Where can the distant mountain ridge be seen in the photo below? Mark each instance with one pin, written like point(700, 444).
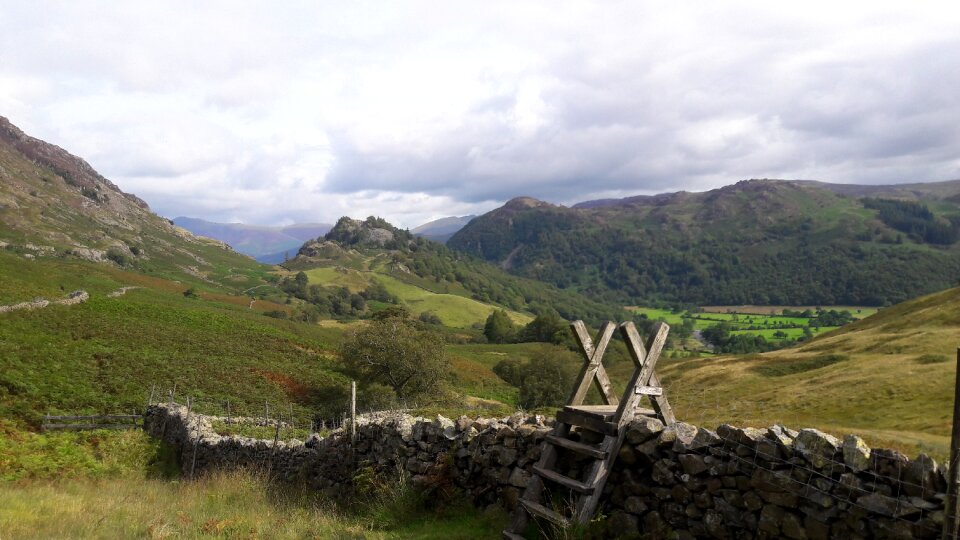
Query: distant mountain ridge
point(264, 243)
point(440, 230)
point(757, 241)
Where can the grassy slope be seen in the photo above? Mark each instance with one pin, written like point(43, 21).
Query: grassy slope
point(105, 354)
point(890, 379)
point(454, 310)
point(117, 485)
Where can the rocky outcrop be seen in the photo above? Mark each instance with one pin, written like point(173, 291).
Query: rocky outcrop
point(76, 297)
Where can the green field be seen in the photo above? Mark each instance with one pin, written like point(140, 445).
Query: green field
point(753, 322)
point(888, 378)
point(455, 311)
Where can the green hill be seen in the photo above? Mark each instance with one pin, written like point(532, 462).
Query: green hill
point(426, 276)
point(889, 377)
point(55, 206)
point(757, 242)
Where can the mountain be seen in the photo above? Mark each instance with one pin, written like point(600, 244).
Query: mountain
point(54, 205)
point(269, 245)
point(358, 253)
point(755, 242)
point(440, 230)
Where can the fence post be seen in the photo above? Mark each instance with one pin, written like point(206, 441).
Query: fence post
point(193, 463)
point(353, 412)
point(276, 437)
point(951, 521)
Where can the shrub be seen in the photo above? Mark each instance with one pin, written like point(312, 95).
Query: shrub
point(545, 380)
point(118, 256)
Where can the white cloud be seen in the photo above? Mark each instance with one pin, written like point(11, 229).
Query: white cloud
point(267, 113)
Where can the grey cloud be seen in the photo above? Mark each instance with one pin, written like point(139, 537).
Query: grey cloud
point(564, 100)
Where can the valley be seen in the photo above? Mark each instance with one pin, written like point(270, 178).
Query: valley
point(221, 328)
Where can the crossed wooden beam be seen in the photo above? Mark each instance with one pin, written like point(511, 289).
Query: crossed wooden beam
point(644, 381)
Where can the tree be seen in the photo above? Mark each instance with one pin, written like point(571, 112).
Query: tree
point(547, 327)
point(393, 352)
point(499, 328)
point(545, 380)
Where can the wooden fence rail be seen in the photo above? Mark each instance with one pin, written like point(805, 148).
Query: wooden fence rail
point(105, 421)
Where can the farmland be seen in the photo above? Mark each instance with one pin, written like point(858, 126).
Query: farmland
point(773, 323)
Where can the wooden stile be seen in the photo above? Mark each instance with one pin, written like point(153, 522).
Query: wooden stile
point(609, 420)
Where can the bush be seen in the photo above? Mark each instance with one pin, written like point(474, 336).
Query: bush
point(544, 381)
point(118, 256)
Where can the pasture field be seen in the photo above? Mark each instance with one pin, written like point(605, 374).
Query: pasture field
point(792, 333)
point(858, 312)
point(455, 311)
point(889, 378)
point(753, 321)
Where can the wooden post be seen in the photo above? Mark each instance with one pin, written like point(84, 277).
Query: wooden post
point(170, 395)
point(189, 406)
point(951, 520)
point(276, 437)
point(228, 411)
point(353, 412)
point(266, 412)
point(153, 387)
point(193, 464)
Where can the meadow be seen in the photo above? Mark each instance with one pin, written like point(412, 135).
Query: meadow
point(768, 322)
point(103, 484)
point(453, 310)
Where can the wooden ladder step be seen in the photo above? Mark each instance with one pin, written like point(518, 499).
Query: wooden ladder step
point(593, 423)
point(565, 481)
point(539, 510)
point(580, 448)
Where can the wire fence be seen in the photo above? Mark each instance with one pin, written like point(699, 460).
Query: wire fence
point(272, 419)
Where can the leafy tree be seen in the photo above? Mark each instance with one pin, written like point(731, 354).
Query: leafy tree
point(547, 327)
point(394, 352)
point(545, 380)
point(499, 328)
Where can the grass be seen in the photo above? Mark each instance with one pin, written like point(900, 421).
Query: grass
point(886, 378)
point(233, 505)
point(110, 484)
point(254, 431)
point(455, 311)
point(782, 369)
point(28, 456)
point(104, 355)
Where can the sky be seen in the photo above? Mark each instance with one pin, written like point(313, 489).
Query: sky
point(272, 113)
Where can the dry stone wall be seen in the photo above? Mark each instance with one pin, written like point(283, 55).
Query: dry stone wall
point(677, 481)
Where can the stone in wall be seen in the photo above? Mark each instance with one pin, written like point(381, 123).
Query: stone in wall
point(669, 481)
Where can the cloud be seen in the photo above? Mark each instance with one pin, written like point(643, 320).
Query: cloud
point(263, 114)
